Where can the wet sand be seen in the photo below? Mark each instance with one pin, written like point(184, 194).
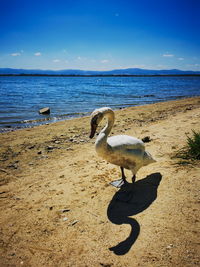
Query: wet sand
point(58, 208)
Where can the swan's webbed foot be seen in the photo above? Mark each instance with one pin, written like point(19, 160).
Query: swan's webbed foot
point(120, 182)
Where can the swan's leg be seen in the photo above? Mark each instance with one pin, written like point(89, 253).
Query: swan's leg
point(123, 175)
point(134, 171)
point(133, 179)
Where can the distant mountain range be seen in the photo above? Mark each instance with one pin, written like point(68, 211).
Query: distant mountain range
point(130, 71)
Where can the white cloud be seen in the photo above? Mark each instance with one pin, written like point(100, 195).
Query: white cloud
point(15, 54)
point(139, 66)
point(104, 61)
point(193, 65)
point(168, 55)
point(37, 54)
point(180, 58)
point(56, 60)
point(81, 58)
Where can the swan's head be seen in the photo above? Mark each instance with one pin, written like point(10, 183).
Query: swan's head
point(96, 117)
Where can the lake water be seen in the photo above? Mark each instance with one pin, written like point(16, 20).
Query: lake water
point(68, 97)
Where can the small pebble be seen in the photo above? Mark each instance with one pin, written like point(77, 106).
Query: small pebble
point(69, 148)
point(14, 166)
point(170, 246)
point(64, 210)
point(146, 139)
point(74, 222)
point(16, 198)
point(13, 254)
point(50, 147)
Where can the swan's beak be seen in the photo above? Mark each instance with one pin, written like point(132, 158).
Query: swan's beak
point(93, 130)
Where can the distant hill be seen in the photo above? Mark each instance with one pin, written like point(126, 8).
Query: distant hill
point(130, 71)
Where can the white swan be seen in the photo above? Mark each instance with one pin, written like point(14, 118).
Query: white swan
point(122, 150)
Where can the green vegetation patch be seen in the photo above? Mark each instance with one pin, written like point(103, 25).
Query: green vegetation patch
point(191, 151)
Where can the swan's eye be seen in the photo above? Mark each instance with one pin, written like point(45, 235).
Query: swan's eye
point(94, 120)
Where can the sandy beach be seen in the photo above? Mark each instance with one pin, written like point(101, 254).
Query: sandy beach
point(59, 209)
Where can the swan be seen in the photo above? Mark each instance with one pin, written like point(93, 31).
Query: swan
point(122, 150)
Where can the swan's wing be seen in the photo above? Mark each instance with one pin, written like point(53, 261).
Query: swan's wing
point(125, 142)
point(125, 151)
point(130, 149)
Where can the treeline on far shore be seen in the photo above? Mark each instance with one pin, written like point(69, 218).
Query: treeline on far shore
point(101, 75)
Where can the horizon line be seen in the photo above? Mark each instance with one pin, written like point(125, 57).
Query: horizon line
point(76, 69)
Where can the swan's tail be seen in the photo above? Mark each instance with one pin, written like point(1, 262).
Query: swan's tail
point(148, 159)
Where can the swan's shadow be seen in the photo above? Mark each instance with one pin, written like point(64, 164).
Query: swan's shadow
point(130, 200)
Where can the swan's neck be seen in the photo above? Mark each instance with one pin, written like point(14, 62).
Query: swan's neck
point(107, 129)
point(101, 142)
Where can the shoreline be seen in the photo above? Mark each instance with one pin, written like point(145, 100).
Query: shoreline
point(28, 124)
point(59, 209)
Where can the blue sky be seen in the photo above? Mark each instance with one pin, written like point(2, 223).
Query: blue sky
point(100, 35)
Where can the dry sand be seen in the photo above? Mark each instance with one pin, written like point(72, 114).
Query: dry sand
point(58, 209)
